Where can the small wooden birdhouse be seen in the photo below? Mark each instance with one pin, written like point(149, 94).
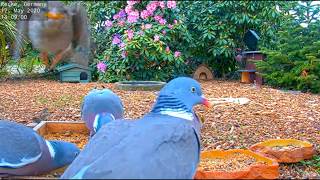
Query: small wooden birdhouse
point(74, 73)
point(203, 73)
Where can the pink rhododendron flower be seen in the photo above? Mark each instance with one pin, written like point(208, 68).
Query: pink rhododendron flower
point(122, 13)
point(164, 32)
point(175, 21)
point(132, 19)
point(101, 66)
point(157, 17)
point(121, 23)
point(116, 16)
point(171, 4)
point(133, 16)
point(156, 38)
point(162, 4)
point(122, 45)
point(177, 54)
point(145, 14)
point(170, 26)
point(134, 13)
point(152, 6)
point(116, 39)
point(131, 2)
point(108, 23)
point(128, 9)
point(167, 49)
point(148, 26)
point(162, 21)
point(130, 33)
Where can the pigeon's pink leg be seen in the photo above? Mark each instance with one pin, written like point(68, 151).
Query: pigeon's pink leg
point(56, 60)
point(44, 58)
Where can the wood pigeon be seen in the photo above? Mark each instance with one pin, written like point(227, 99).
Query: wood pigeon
point(24, 153)
point(165, 143)
point(58, 29)
point(100, 107)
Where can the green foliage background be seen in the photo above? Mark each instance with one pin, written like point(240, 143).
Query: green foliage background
point(213, 30)
point(208, 32)
point(294, 63)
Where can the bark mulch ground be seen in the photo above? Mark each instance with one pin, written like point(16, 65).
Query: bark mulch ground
point(271, 113)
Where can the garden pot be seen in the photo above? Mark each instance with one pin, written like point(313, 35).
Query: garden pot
point(285, 150)
point(140, 85)
point(264, 168)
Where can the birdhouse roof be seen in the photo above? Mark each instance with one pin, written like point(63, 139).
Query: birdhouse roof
point(71, 66)
point(254, 34)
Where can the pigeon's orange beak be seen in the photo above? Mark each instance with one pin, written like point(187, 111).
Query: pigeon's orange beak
point(54, 15)
point(206, 102)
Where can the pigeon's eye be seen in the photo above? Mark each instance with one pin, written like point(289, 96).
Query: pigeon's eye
point(193, 89)
point(76, 154)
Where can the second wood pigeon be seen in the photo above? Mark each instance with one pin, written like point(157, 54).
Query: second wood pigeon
point(24, 153)
point(165, 143)
point(100, 107)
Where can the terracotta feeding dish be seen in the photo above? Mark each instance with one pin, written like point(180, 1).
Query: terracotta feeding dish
point(70, 131)
point(285, 150)
point(236, 164)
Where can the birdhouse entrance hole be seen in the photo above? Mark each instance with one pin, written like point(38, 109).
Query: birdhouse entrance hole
point(83, 76)
point(203, 76)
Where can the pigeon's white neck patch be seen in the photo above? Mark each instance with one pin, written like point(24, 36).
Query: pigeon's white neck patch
point(51, 149)
point(96, 120)
point(179, 113)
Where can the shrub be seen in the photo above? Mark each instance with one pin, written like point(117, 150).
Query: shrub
point(296, 62)
point(218, 28)
point(143, 41)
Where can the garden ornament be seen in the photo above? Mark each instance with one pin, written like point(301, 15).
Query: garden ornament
point(100, 107)
point(61, 30)
point(24, 153)
point(165, 143)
